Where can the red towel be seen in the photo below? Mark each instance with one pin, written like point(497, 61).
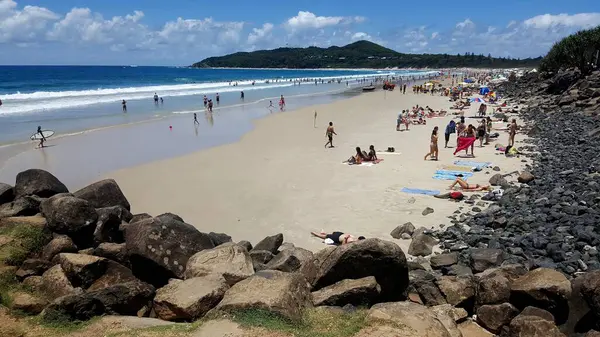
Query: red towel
point(464, 143)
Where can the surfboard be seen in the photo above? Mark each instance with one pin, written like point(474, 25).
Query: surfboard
point(46, 133)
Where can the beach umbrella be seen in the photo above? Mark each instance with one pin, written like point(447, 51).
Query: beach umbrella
point(477, 100)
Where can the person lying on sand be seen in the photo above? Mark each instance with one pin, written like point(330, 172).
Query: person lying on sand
point(463, 185)
point(337, 238)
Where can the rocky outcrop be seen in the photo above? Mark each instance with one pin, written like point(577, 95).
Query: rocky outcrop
point(406, 319)
point(60, 244)
point(283, 294)
point(295, 260)
point(361, 292)
point(7, 193)
point(82, 270)
point(38, 182)
point(371, 257)
point(421, 245)
point(270, 244)
point(55, 283)
point(104, 193)
point(159, 249)
point(71, 216)
point(494, 317)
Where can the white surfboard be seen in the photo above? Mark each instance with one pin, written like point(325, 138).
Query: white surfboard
point(46, 133)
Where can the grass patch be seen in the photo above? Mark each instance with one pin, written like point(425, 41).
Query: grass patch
point(315, 322)
point(8, 283)
point(61, 324)
point(28, 240)
point(175, 329)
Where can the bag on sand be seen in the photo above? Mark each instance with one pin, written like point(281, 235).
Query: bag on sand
point(457, 195)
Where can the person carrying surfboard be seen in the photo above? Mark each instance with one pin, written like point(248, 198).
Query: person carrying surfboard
point(43, 139)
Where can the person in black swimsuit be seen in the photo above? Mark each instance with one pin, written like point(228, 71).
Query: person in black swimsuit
point(338, 238)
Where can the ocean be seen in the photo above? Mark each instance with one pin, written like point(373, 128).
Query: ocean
point(71, 99)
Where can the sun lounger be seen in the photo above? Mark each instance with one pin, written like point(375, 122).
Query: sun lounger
point(419, 191)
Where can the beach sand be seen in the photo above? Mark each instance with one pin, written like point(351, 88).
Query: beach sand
point(279, 178)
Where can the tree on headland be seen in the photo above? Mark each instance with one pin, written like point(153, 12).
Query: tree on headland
point(579, 50)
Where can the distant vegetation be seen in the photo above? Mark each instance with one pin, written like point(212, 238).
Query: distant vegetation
point(579, 50)
point(361, 54)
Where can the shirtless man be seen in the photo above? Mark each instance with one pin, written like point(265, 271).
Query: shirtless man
point(467, 187)
point(512, 132)
point(329, 134)
point(338, 238)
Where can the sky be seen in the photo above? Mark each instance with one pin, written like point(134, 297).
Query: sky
point(181, 32)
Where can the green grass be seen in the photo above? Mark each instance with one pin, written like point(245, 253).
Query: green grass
point(62, 324)
point(28, 240)
point(315, 323)
point(174, 329)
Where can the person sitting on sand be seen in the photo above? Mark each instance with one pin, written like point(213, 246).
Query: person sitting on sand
point(372, 155)
point(463, 185)
point(337, 238)
point(358, 158)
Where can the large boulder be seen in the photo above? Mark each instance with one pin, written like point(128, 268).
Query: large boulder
point(283, 294)
point(190, 299)
point(458, 290)
point(590, 289)
point(406, 319)
point(469, 328)
point(109, 223)
point(370, 257)
point(23, 206)
point(543, 288)
point(32, 267)
point(295, 260)
point(104, 193)
point(60, 244)
point(361, 292)
point(230, 261)
point(27, 303)
point(525, 177)
point(55, 283)
point(421, 245)
point(219, 238)
point(485, 258)
point(270, 243)
point(119, 299)
point(82, 270)
point(494, 317)
point(38, 182)
point(71, 216)
point(159, 249)
point(443, 260)
point(407, 228)
point(260, 258)
point(114, 273)
point(427, 291)
point(492, 289)
point(113, 251)
point(449, 316)
point(533, 326)
point(7, 193)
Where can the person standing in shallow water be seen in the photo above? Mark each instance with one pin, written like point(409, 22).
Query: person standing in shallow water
point(124, 104)
point(329, 134)
point(196, 119)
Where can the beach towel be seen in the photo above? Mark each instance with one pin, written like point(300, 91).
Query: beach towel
point(438, 176)
point(461, 174)
point(385, 153)
point(472, 163)
point(464, 143)
point(419, 191)
point(456, 168)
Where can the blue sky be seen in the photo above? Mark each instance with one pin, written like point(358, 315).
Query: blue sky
point(180, 32)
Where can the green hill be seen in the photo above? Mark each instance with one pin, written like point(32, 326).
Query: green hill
point(361, 54)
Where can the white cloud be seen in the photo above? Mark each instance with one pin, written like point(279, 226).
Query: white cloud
point(581, 20)
point(361, 36)
point(465, 24)
point(308, 20)
point(22, 26)
point(259, 34)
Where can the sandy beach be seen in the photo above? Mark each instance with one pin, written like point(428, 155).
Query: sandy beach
point(279, 178)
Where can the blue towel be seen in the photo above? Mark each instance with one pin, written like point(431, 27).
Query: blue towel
point(447, 177)
point(455, 173)
point(419, 191)
point(472, 163)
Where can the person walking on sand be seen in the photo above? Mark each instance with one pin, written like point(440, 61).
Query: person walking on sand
point(404, 89)
point(512, 132)
point(196, 119)
point(124, 104)
point(450, 129)
point(315, 121)
point(433, 145)
point(42, 137)
point(329, 134)
point(218, 98)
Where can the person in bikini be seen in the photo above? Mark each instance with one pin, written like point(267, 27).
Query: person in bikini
point(468, 187)
point(512, 132)
point(338, 238)
point(433, 145)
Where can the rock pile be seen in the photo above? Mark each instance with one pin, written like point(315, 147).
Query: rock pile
point(527, 265)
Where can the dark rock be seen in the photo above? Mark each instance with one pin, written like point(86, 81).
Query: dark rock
point(494, 317)
point(533, 326)
point(483, 258)
point(543, 288)
point(533, 311)
point(457, 270)
point(443, 260)
point(109, 222)
point(427, 211)
point(160, 248)
point(114, 273)
point(60, 244)
point(7, 193)
point(493, 289)
point(219, 238)
point(498, 180)
point(421, 245)
point(119, 299)
point(38, 182)
point(71, 216)
point(590, 289)
point(361, 292)
point(245, 244)
point(229, 261)
point(82, 270)
point(140, 216)
point(104, 193)
point(32, 267)
point(370, 257)
point(458, 290)
point(525, 177)
point(169, 217)
point(260, 258)
point(22, 206)
point(407, 228)
point(54, 283)
point(295, 260)
point(113, 251)
point(270, 243)
point(496, 168)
